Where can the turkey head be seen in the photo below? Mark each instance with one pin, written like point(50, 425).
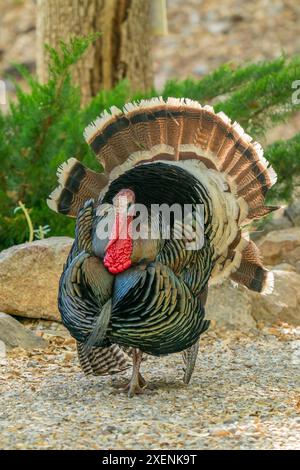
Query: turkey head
point(122, 238)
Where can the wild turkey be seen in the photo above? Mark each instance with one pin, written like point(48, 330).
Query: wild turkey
point(149, 295)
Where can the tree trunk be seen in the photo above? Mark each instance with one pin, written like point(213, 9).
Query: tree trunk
point(122, 51)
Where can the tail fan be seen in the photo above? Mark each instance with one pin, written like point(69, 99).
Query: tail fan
point(172, 130)
point(182, 129)
point(180, 132)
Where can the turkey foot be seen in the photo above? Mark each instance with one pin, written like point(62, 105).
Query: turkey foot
point(137, 383)
point(135, 387)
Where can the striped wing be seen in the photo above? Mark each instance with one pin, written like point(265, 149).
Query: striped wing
point(154, 310)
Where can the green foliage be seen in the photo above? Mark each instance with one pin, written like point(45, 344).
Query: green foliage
point(67, 55)
point(284, 155)
point(226, 79)
point(265, 101)
point(45, 126)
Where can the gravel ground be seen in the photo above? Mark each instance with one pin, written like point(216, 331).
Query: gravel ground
point(245, 394)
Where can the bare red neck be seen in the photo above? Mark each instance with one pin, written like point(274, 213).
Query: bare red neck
point(119, 249)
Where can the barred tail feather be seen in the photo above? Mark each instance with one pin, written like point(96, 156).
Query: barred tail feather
point(103, 361)
point(77, 184)
point(251, 272)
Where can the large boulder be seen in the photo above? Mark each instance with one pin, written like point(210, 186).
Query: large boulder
point(281, 246)
point(279, 221)
point(13, 334)
point(230, 307)
point(283, 304)
point(29, 275)
point(293, 212)
point(240, 308)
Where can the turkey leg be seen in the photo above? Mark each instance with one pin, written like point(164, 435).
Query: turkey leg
point(190, 356)
point(137, 383)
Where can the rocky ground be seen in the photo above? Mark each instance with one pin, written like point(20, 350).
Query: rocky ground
point(245, 394)
point(206, 33)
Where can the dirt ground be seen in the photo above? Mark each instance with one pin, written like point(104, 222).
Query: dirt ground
point(204, 34)
point(245, 394)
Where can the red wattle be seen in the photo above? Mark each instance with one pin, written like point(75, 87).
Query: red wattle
point(117, 257)
point(118, 250)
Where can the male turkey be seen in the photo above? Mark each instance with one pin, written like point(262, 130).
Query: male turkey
point(119, 295)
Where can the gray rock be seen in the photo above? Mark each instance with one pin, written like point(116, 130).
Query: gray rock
point(283, 304)
point(293, 212)
point(239, 308)
point(278, 223)
point(14, 334)
point(285, 267)
point(230, 307)
point(281, 246)
point(29, 276)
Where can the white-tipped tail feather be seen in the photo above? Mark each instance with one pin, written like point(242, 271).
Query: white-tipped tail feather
point(54, 198)
point(65, 169)
point(100, 122)
point(269, 284)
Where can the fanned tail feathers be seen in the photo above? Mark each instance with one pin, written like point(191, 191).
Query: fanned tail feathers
point(182, 129)
point(181, 132)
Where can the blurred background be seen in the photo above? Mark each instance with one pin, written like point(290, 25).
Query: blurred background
point(201, 35)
